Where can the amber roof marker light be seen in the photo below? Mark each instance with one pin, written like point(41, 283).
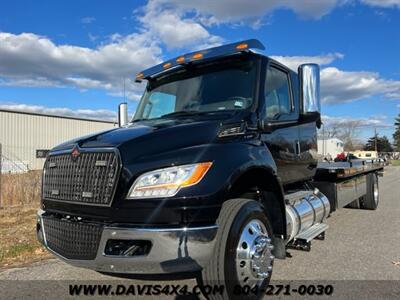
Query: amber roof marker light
point(180, 59)
point(197, 56)
point(242, 46)
point(139, 77)
point(167, 65)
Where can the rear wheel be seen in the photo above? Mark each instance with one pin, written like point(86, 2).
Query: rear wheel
point(242, 259)
point(354, 204)
point(371, 200)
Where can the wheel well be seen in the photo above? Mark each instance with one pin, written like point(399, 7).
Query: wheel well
point(263, 186)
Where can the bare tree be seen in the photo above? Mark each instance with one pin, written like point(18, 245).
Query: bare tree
point(332, 131)
point(348, 133)
point(345, 130)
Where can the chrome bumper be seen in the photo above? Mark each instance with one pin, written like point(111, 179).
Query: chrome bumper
point(173, 250)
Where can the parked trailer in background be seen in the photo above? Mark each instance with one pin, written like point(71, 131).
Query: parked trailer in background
point(329, 148)
point(366, 154)
point(217, 173)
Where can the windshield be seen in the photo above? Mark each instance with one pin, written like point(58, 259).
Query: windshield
point(214, 87)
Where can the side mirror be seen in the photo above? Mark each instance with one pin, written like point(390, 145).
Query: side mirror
point(122, 114)
point(310, 92)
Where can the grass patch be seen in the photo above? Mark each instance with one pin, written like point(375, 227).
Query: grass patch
point(18, 242)
point(17, 250)
point(20, 198)
point(395, 163)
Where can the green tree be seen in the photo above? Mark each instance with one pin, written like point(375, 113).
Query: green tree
point(396, 134)
point(382, 144)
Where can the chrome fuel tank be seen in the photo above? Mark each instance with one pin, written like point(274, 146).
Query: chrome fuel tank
point(305, 209)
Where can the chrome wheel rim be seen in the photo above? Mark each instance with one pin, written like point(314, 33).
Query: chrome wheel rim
point(376, 193)
point(254, 257)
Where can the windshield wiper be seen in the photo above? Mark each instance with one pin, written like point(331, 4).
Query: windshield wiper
point(173, 114)
point(183, 113)
point(137, 120)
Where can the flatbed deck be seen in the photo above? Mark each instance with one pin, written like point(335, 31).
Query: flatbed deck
point(332, 171)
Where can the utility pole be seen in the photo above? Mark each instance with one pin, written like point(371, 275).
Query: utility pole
point(1, 159)
point(376, 141)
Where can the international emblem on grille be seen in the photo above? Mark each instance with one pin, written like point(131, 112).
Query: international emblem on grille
point(75, 154)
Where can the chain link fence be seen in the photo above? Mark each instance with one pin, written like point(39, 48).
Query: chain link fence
point(19, 186)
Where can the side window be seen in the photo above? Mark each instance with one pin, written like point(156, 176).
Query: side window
point(277, 93)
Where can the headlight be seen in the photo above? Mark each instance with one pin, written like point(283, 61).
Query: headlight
point(167, 182)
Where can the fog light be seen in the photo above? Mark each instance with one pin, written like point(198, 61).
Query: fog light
point(127, 247)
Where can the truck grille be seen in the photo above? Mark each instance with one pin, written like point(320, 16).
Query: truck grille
point(72, 240)
point(88, 178)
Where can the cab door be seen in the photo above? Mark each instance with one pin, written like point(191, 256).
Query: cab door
point(281, 108)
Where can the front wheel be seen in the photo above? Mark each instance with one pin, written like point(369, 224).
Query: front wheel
point(242, 260)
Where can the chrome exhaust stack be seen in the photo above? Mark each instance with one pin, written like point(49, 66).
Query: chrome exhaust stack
point(305, 213)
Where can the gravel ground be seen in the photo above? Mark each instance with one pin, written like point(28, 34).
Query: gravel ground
point(359, 245)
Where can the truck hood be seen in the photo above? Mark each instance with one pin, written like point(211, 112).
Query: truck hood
point(151, 137)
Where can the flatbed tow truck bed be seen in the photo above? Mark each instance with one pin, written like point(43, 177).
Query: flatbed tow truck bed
point(345, 183)
point(340, 170)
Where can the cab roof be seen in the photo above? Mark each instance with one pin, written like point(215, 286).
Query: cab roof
point(251, 45)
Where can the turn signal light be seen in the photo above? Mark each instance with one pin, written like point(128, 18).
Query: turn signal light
point(139, 75)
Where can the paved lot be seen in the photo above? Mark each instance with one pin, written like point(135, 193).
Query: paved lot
point(359, 245)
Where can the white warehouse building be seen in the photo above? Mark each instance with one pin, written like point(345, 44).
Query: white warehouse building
point(26, 137)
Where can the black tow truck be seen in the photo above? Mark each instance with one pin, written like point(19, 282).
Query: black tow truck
point(217, 173)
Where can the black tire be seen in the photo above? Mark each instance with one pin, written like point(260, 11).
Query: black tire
point(354, 204)
point(221, 269)
point(371, 199)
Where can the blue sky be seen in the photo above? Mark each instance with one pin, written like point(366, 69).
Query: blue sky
point(71, 57)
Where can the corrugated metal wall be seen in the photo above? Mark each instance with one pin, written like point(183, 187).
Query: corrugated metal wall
point(21, 134)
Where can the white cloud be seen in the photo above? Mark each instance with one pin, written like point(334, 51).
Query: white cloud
point(87, 83)
point(31, 60)
point(253, 13)
point(373, 121)
point(345, 86)
point(353, 130)
point(233, 11)
point(88, 20)
point(100, 114)
point(182, 23)
point(382, 3)
point(293, 62)
point(210, 12)
point(173, 28)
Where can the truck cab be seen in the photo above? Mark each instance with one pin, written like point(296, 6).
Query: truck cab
point(216, 168)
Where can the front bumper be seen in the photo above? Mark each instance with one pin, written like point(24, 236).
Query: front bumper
point(173, 250)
